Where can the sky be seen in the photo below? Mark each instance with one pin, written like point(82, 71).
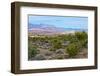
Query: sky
point(60, 21)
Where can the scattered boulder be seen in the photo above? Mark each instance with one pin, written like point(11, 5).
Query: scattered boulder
point(40, 57)
point(48, 53)
point(66, 56)
point(58, 56)
point(45, 46)
point(60, 51)
point(65, 43)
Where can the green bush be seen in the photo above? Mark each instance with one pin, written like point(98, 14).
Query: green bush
point(52, 49)
point(83, 38)
point(84, 43)
point(56, 44)
point(72, 38)
point(72, 49)
point(32, 51)
point(81, 35)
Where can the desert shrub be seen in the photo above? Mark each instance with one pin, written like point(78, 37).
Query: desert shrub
point(56, 44)
point(52, 49)
point(29, 38)
point(72, 38)
point(72, 49)
point(32, 51)
point(82, 38)
point(84, 43)
point(34, 39)
point(81, 35)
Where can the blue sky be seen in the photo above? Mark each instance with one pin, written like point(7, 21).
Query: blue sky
point(60, 21)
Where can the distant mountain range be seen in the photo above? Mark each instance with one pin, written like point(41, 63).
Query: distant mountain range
point(43, 29)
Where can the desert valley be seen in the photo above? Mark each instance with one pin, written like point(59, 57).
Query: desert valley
point(47, 42)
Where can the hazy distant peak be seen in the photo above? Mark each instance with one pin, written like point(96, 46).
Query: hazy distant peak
point(47, 25)
point(40, 26)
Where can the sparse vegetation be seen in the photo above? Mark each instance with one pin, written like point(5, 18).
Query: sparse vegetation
point(32, 51)
point(71, 43)
point(72, 49)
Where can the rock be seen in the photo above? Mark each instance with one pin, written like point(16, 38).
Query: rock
point(33, 43)
point(60, 51)
point(45, 46)
point(65, 43)
point(50, 58)
point(40, 57)
point(58, 56)
point(48, 53)
point(66, 56)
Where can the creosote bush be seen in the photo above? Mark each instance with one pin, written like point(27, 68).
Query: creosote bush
point(72, 49)
point(32, 51)
point(56, 44)
point(81, 35)
point(52, 49)
point(83, 38)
